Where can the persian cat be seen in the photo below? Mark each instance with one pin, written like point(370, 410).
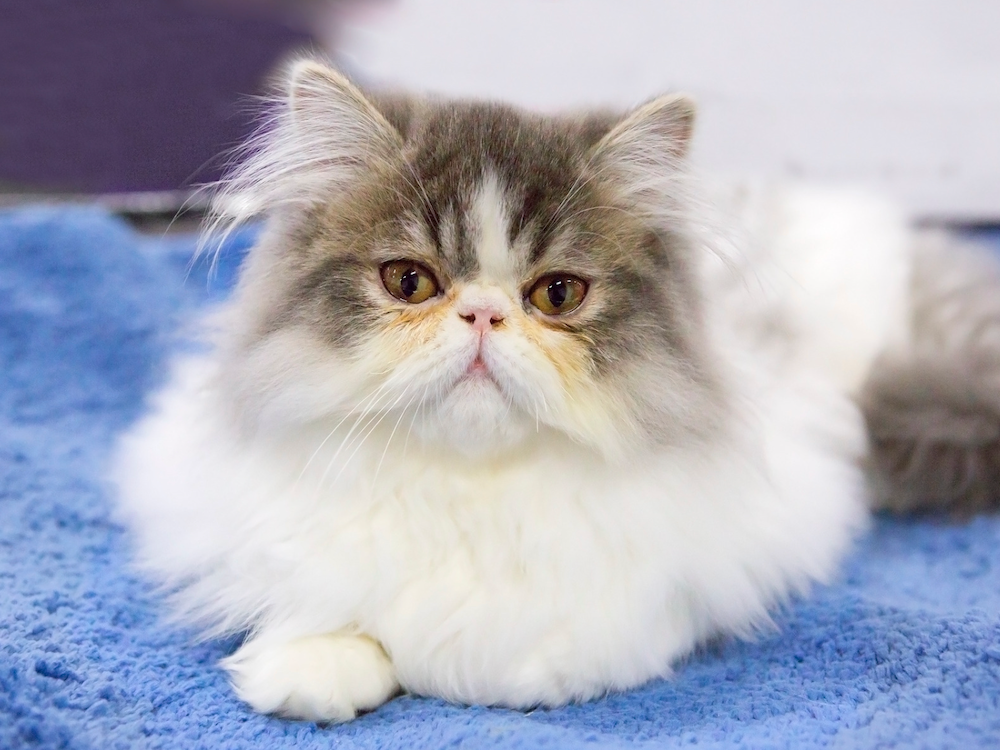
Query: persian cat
point(506, 409)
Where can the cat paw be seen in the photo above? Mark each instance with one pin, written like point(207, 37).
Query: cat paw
point(318, 678)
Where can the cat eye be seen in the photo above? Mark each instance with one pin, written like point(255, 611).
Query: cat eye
point(558, 294)
point(409, 281)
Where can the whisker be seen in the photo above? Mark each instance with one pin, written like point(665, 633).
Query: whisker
point(392, 434)
point(363, 406)
point(336, 427)
point(364, 437)
point(416, 412)
point(347, 438)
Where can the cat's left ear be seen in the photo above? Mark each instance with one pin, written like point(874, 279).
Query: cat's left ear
point(657, 132)
point(645, 152)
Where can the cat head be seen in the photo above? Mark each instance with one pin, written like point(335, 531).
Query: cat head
point(483, 273)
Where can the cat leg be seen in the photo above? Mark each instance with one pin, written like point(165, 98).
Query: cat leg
point(319, 678)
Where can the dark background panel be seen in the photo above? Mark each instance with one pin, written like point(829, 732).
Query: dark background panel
point(104, 96)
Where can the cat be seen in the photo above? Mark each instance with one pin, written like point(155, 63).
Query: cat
point(511, 409)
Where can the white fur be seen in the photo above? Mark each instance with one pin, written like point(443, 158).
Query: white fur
point(828, 273)
point(324, 677)
point(554, 573)
point(492, 248)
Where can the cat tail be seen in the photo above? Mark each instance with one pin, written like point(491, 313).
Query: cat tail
point(932, 406)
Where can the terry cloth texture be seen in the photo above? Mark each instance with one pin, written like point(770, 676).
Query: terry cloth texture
point(903, 651)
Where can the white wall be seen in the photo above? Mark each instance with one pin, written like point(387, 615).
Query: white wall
point(903, 95)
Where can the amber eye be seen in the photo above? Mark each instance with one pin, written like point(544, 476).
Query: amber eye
point(409, 281)
point(557, 294)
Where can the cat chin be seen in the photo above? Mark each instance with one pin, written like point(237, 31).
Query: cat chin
point(475, 418)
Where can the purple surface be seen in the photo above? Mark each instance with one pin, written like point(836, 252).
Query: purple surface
point(126, 95)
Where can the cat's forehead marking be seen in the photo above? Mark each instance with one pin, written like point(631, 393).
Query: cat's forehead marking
point(495, 183)
point(492, 247)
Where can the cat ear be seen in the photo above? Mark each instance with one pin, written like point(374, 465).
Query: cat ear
point(644, 154)
point(322, 135)
point(326, 107)
point(658, 130)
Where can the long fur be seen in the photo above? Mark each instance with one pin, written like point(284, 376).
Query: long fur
point(933, 404)
point(659, 467)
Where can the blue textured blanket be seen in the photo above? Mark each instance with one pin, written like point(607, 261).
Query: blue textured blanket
point(904, 651)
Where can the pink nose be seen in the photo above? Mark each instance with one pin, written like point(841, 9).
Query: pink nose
point(482, 317)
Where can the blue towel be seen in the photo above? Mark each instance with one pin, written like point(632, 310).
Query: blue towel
point(902, 651)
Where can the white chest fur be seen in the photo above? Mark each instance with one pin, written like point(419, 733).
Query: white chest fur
point(548, 577)
point(550, 574)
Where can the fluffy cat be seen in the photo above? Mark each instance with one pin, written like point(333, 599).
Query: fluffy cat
point(506, 410)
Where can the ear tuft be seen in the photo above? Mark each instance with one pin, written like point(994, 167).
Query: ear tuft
point(662, 126)
point(317, 91)
point(321, 98)
point(322, 135)
point(644, 155)
point(673, 118)
point(310, 82)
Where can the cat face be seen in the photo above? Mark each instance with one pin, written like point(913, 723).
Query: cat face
point(481, 273)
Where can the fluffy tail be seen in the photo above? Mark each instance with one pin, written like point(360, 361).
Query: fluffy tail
point(933, 406)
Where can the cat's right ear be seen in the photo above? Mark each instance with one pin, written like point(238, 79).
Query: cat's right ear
point(322, 136)
point(327, 108)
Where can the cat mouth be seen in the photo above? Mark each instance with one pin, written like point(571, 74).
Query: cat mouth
point(478, 367)
point(480, 371)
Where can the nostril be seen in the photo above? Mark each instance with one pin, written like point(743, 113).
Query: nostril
point(478, 318)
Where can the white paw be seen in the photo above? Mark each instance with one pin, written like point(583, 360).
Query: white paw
point(319, 678)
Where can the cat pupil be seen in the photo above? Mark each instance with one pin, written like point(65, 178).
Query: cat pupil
point(409, 282)
point(558, 292)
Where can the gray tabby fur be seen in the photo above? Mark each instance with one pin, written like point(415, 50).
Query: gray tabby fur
point(933, 407)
